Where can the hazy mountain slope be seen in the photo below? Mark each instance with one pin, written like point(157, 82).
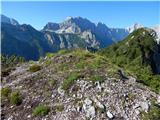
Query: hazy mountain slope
point(5, 19)
point(139, 54)
point(24, 41)
point(72, 33)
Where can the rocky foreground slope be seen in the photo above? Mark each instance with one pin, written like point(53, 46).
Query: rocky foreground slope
point(75, 85)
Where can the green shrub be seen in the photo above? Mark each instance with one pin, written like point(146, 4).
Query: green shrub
point(68, 82)
point(15, 98)
point(34, 68)
point(40, 110)
point(5, 92)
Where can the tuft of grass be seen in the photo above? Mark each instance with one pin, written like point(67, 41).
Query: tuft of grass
point(40, 110)
point(34, 68)
point(68, 82)
point(5, 92)
point(15, 98)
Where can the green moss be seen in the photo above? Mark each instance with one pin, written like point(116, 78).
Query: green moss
point(15, 98)
point(40, 110)
point(34, 68)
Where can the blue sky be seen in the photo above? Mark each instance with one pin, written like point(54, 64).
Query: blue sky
point(113, 14)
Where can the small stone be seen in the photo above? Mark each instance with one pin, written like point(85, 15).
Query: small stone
point(90, 112)
point(29, 116)
point(11, 106)
point(74, 95)
point(28, 106)
point(53, 95)
point(109, 114)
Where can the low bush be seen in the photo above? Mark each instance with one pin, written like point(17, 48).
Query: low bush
point(15, 98)
point(40, 110)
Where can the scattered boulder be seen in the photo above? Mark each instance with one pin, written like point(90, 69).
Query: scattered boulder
point(87, 101)
point(110, 115)
point(144, 106)
point(89, 109)
point(91, 112)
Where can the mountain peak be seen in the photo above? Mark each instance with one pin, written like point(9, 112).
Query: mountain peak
point(8, 20)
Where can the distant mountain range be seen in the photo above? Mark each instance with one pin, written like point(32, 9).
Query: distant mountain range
point(26, 41)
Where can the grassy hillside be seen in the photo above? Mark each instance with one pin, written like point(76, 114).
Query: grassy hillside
point(135, 55)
